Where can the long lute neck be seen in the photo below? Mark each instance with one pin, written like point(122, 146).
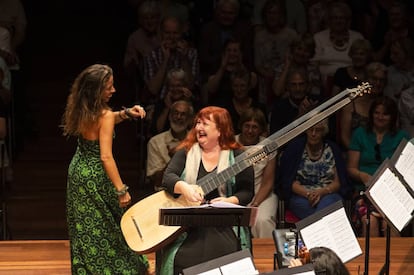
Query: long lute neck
point(211, 181)
point(268, 146)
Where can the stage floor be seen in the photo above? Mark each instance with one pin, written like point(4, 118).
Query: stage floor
point(52, 256)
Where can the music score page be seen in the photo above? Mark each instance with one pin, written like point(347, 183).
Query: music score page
point(393, 199)
point(335, 232)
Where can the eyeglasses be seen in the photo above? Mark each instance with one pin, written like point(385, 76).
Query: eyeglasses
point(377, 152)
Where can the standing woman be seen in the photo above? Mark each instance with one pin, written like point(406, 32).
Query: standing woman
point(96, 194)
point(209, 148)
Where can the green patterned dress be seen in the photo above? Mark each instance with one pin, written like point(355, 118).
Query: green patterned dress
point(93, 214)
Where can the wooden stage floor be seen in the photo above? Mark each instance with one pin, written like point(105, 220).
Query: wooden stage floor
point(52, 257)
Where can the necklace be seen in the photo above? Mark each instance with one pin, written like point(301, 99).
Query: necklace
point(339, 42)
point(355, 74)
point(314, 154)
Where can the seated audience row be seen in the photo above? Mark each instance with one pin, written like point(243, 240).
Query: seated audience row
point(284, 73)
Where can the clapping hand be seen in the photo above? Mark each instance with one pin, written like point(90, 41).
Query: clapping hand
point(306, 105)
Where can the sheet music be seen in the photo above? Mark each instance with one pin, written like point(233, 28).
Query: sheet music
point(215, 271)
point(243, 267)
point(405, 164)
point(393, 199)
point(335, 232)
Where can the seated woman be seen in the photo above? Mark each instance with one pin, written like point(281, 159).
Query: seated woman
point(209, 148)
point(312, 172)
point(369, 147)
point(253, 128)
point(355, 114)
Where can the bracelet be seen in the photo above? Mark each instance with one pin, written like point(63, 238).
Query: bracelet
point(120, 116)
point(128, 113)
point(123, 190)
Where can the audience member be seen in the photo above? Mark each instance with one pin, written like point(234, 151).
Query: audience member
point(179, 10)
point(397, 28)
point(218, 86)
point(317, 15)
point(201, 12)
point(373, 20)
point(352, 75)
point(215, 34)
point(295, 14)
point(6, 51)
point(301, 50)
point(400, 85)
point(312, 172)
point(161, 147)
point(177, 88)
point(5, 93)
point(298, 102)
point(209, 148)
point(271, 44)
point(333, 43)
point(241, 98)
point(140, 44)
point(174, 52)
point(401, 72)
point(355, 114)
point(6, 76)
point(368, 148)
point(253, 126)
point(13, 21)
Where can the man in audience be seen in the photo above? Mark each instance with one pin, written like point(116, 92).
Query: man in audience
point(174, 52)
point(161, 147)
point(214, 34)
point(299, 101)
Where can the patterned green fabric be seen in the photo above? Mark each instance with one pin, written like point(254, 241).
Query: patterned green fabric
point(93, 215)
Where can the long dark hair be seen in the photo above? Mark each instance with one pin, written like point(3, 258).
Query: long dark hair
point(85, 103)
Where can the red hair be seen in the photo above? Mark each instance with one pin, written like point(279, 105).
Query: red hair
point(222, 119)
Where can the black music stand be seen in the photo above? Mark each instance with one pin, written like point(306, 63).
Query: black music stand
point(209, 215)
point(387, 174)
point(237, 260)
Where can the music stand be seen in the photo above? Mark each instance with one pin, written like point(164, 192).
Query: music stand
point(209, 215)
point(393, 197)
point(233, 263)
